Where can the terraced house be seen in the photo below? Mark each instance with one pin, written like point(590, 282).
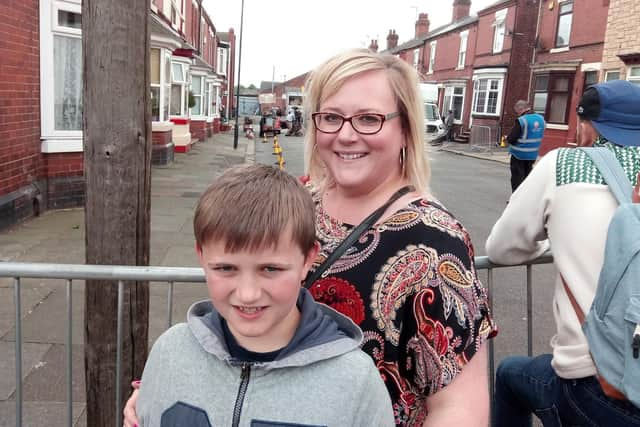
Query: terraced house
point(544, 51)
point(41, 148)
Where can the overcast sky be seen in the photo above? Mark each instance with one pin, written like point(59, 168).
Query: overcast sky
point(296, 35)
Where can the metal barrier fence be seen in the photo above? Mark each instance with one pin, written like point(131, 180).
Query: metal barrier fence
point(170, 275)
point(482, 139)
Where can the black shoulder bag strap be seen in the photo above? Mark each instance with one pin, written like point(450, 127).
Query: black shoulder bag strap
point(354, 235)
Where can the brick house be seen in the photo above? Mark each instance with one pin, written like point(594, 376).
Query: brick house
point(474, 63)
point(546, 52)
point(41, 148)
point(284, 93)
point(567, 59)
point(621, 52)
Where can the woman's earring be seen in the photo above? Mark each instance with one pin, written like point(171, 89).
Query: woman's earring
point(403, 158)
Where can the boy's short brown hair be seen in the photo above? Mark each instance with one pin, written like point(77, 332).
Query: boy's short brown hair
point(249, 207)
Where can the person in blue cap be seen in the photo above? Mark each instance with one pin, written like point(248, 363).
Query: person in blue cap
point(565, 200)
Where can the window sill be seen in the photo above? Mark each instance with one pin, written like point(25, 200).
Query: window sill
point(556, 126)
point(52, 145)
point(559, 49)
point(485, 115)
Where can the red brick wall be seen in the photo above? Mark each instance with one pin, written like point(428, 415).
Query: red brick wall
point(588, 25)
point(198, 129)
point(19, 95)
point(59, 165)
point(586, 44)
point(161, 137)
point(523, 27)
point(484, 55)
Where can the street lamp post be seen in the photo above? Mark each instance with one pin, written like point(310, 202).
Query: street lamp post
point(235, 131)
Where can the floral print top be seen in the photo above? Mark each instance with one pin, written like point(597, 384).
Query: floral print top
point(411, 285)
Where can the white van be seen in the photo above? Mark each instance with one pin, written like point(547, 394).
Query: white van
point(434, 126)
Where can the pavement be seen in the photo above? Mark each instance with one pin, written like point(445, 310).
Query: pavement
point(58, 237)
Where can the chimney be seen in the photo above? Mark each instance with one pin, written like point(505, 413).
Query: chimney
point(460, 9)
point(373, 47)
point(422, 24)
point(392, 39)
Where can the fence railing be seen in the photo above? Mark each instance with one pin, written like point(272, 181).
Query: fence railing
point(168, 275)
point(483, 138)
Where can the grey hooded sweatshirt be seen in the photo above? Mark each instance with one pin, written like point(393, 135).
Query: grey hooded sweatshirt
point(321, 378)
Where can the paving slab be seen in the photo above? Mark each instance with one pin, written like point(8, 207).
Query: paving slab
point(47, 322)
point(42, 414)
point(32, 355)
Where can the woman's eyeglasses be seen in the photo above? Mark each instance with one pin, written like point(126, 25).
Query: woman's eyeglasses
point(364, 124)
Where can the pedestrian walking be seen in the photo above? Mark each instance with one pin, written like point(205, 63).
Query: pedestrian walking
point(448, 123)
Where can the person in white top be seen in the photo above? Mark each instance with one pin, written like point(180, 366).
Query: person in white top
point(565, 200)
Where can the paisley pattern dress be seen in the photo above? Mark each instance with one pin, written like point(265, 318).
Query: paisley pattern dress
point(411, 285)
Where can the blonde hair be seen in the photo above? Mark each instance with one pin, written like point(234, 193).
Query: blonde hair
point(329, 77)
point(250, 207)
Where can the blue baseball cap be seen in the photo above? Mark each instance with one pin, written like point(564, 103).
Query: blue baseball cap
point(614, 110)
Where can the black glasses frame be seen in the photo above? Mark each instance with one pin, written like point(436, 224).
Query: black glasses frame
point(382, 117)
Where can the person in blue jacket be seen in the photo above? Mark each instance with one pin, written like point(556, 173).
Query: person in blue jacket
point(524, 142)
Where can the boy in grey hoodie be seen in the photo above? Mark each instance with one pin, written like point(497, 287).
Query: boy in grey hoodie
point(261, 352)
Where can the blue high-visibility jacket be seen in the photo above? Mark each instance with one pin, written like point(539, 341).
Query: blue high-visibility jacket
point(528, 144)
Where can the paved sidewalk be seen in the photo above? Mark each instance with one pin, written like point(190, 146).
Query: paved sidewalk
point(497, 154)
point(58, 237)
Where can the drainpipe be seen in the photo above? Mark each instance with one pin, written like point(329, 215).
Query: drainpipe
point(199, 27)
point(535, 48)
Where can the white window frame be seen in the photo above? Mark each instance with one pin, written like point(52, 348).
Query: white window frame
point(633, 79)
point(462, 53)
point(560, 5)
point(498, 90)
point(201, 77)
point(449, 93)
point(222, 61)
point(416, 58)
point(165, 83)
point(54, 141)
point(608, 73)
point(489, 74)
point(184, 91)
point(499, 30)
point(432, 56)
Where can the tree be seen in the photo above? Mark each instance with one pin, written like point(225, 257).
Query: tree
point(117, 170)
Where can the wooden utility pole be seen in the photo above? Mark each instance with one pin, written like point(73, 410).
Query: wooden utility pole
point(117, 170)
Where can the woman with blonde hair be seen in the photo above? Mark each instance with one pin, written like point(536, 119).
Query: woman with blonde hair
point(406, 276)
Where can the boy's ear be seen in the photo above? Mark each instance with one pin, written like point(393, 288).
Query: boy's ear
point(312, 254)
point(198, 252)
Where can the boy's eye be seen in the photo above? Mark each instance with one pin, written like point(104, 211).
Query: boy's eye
point(271, 269)
point(222, 268)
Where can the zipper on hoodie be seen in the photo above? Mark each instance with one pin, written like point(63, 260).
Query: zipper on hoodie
point(245, 373)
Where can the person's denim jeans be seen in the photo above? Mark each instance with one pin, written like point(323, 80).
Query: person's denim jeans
point(526, 386)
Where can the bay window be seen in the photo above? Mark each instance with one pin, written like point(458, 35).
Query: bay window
point(179, 89)
point(197, 88)
point(487, 94)
point(61, 76)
